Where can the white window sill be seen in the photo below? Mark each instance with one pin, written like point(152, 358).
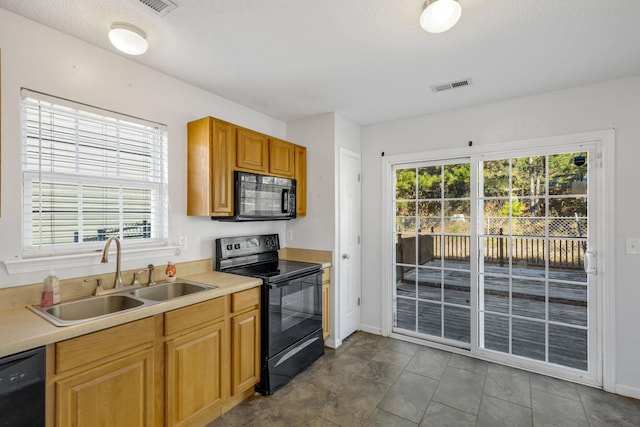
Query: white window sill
point(29, 265)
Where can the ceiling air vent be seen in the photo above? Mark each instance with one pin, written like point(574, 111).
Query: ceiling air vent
point(451, 85)
point(162, 7)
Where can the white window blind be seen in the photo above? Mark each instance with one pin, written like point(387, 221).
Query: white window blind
point(89, 174)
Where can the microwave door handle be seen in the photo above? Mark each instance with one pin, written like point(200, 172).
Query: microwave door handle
point(285, 201)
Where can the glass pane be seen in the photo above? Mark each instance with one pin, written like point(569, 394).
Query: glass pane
point(457, 323)
point(568, 217)
point(406, 314)
point(568, 346)
point(456, 287)
point(528, 339)
point(568, 303)
point(528, 176)
point(565, 176)
point(457, 181)
point(430, 212)
point(496, 332)
point(496, 217)
point(528, 217)
point(430, 284)
point(457, 215)
point(406, 282)
point(456, 252)
point(496, 178)
point(429, 182)
point(430, 319)
point(496, 294)
point(406, 184)
point(528, 298)
point(528, 257)
point(496, 255)
point(406, 216)
point(406, 249)
point(426, 249)
point(566, 260)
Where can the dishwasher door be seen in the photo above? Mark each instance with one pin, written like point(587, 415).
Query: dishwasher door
point(22, 388)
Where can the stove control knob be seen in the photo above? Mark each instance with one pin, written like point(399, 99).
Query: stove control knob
point(236, 246)
point(229, 247)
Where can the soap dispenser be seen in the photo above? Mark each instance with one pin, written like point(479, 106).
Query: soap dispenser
point(50, 291)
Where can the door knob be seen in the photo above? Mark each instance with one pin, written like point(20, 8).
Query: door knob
point(345, 256)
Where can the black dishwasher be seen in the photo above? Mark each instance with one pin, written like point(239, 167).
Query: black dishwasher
point(22, 387)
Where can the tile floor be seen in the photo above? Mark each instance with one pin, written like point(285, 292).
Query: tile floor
point(376, 381)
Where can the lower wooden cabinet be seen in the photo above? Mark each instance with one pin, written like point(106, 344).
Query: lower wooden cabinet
point(116, 393)
point(245, 341)
point(181, 368)
point(194, 368)
point(326, 303)
point(105, 378)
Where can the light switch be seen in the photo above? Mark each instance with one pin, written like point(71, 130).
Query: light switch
point(633, 246)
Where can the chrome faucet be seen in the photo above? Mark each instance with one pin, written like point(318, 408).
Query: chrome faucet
point(117, 282)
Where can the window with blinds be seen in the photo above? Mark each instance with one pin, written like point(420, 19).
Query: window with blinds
point(89, 174)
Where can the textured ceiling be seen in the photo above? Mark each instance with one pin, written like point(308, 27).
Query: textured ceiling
point(368, 60)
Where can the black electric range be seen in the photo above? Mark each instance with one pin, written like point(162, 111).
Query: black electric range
point(291, 305)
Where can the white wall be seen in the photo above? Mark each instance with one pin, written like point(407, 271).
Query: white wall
point(315, 231)
point(39, 58)
point(614, 104)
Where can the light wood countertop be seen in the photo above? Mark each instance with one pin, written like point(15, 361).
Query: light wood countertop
point(21, 329)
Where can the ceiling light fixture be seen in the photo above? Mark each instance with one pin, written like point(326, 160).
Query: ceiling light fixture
point(440, 15)
point(128, 38)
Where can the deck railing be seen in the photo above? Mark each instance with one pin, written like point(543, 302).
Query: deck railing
point(529, 251)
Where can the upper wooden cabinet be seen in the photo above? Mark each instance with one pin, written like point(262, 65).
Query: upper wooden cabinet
point(215, 149)
point(252, 151)
point(281, 158)
point(300, 167)
point(211, 156)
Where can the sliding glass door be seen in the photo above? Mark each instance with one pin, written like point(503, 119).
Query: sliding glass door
point(492, 254)
point(533, 289)
point(433, 250)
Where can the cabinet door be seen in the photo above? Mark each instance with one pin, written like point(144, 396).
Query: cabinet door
point(194, 365)
point(300, 155)
point(326, 303)
point(245, 351)
point(252, 151)
point(211, 151)
point(281, 158)
point(114, 394)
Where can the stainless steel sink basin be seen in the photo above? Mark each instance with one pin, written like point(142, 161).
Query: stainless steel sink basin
point(167, 291)
point(71, 312)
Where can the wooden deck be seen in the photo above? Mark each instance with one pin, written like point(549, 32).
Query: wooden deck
point(421, 302)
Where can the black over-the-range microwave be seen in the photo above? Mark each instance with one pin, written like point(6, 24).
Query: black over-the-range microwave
point(262, 198)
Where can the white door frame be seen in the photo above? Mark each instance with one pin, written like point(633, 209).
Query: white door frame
point(605, 244)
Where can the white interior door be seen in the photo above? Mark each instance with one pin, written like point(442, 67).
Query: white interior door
point(349, 255)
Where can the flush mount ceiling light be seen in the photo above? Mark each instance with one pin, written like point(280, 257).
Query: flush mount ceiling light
point(128, 38)
point(440, 15)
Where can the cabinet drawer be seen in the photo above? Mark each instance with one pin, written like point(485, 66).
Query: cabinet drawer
point(245, 299)
point(102, 344)
point(194, 315)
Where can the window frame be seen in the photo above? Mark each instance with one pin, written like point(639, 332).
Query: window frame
point(156, 186)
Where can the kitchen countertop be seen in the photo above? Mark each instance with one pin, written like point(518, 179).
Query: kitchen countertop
point(21, 329)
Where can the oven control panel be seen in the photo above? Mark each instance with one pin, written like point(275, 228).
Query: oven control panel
point(231, 247)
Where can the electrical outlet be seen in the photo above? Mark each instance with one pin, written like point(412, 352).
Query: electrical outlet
point(182, 242)
point(633, 246)
point(289, 234)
